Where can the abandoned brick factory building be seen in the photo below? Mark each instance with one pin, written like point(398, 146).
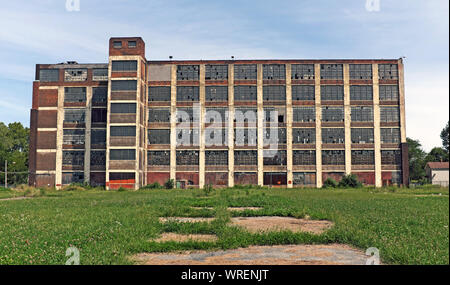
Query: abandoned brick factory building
point(118, 125)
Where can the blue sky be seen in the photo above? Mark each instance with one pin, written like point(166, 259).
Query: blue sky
point(43, 31)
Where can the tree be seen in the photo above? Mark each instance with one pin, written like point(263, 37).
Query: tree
point(417, 159)
point(14, 147)
point(444, 137)
point(437, 154)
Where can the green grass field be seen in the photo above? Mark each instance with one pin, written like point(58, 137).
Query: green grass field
point(408, 226)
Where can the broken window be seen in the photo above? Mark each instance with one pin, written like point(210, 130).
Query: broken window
point(303, 136)
point(389, 114)
point(304, 178)
point(74, 115)
point(389, 93)
point(303, 92)
point(188, 137)
point(245, 157)
point(123, 85)
point(333, 157)
point(159, 157)
point(390, 135)
point(216, 157)
point(132, 44)
point(49, 75)
point(74, 136)
point(99, 115)
point(74, 94)
point(75, 74)
point(274, 178)
point(159, 115)
point(216, 93)
point(275, 115)
point(361, 93)
point(269, 134)
point(246, 115)
point(272, 157)
point(388, 71)
point(245, 72)
point(246, 137)
point(332, 92)
point(186, 114)
point(212, 115)
point(117, 44)
point(123, 108)
point(216, 137)
point(304, 157)
point(100, 74)
point(216, 72)
point(302, 71)
point(360, 71)
point(304, 114)
point(391, 157)
point(331, 71)
point(72, 177)
point(124, 65)
point(71, 157)
point(362, 135)
point(122, 154)
point(99, 95)
point(332, 114)
point(98, 137)
point(98, 158)
point(274, 93)
point(188, 72)
point(187, 93)
point(362, 114)
point(122, 131)
point(274, 71)
point(159, 93)
point(333, 135)
point(188, 157)
point(363, 157)
point(245, 93)
point(158, 136)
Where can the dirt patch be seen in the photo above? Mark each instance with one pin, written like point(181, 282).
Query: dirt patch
point(333, 254)
point(183, 238)
point(185, 220)
point(15, 198)
point(264, 224)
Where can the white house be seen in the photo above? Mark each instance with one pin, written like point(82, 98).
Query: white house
point(437, 172)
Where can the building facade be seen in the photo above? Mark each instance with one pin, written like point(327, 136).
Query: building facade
point(288, 123)
point(438, 173)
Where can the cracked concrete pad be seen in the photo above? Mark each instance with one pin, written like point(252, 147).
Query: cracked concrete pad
point(264, 224)
point(183, 238)
point(333, 254)
point(184, 219)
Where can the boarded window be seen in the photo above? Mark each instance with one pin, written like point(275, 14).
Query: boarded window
point(246, 157)
point(332, 114)
point(159, 157)
point(304, 114)
point(245, 72)
point(303, 136)
point(302, 71)
point(362, 135)
point(361, 93)
point(245, 93)
point(159, 115)
point(303, 92)
point(216, 72)
point(389, 93)
point(73, 158)
point(333, 135)
point(72, 177)
point(390, 135)
point(304, 157)
point(99, 95)
point(98, 158)
point(124, 65)
point(362, 114)
point(100, 74)
point(122, 154)
point(360, 71)
point(74, 136)
point(272, 157)
point(274, 71)
point(216, 157)
point(123, 85)
point(99, 115)
point(187, 157)
point(187, 93)
point(363, 157)
point(331, 71)
point(74, 94)
point(123, 131)
point(75, 74)
point(123, 108)
point(159, 93)
point(304, 179)
point(188, 72)
point(389, 114)
point(333, 157)
point(49, 75)
point(388, 71)
point(391, 157)
point(216, 93)
point(98, 137)
point(74, 115)
point(332, 92)
point(159, 136)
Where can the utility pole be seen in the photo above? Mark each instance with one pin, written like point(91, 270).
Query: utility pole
point(6, 174)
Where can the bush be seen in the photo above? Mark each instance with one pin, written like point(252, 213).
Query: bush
point(122, 189)
point(350, 181)
point(169, 184)
point(155, 185)
point(330, 183)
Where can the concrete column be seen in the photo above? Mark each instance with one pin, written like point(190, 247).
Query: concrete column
point(289, 119)
point(138, 129)
point(401, 89)
point(230, 128)
point(260, 125)
point(108, 123)
point(173, 122)
point(87, 144)
point(318, 106)
point(376, 125)
point(347, 120)
point(59, 137)
point(202, 129)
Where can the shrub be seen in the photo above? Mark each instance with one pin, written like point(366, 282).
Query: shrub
point(122, 189)
point(330, 183)
point(155, 185)
point(350, 181)
point(169, 184)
